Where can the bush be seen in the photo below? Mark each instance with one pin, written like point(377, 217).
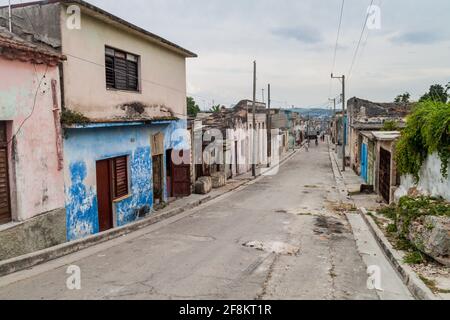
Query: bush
point(427, 131)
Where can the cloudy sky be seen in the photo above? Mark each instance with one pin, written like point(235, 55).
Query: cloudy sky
point(293, 43)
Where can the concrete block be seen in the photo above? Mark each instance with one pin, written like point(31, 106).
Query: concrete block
point(41, 232)
point(219, 180)
point(203, 185)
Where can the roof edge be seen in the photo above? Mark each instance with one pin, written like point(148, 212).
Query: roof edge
point(157, 39)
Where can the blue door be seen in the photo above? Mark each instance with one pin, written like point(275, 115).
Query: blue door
point(364, 162)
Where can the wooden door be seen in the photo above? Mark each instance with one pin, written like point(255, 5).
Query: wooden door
point(158, 178)
point(5, 200)
point(385, 174)
point(104, 190)
point(181, 178)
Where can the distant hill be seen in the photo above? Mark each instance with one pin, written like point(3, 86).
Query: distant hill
point(314, 112)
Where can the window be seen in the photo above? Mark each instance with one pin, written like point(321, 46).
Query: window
point(121, 70)
point(119, 177)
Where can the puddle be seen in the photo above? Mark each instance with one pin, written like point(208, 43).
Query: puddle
point(274, 247)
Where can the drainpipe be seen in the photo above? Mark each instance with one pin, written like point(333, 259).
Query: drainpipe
point(10, 16)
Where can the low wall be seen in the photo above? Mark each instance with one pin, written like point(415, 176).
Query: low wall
point(41, 232)
point(431, 181)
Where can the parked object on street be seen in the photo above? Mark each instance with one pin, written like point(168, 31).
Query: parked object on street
point(203, 185)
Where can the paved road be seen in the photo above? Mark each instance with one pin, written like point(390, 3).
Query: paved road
point(278, 238)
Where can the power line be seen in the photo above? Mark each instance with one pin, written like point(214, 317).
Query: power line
point(33, 107)
point(337, 43)
point(359, 41)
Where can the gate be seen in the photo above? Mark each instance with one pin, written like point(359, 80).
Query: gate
point(385, 175)
point(364, 162)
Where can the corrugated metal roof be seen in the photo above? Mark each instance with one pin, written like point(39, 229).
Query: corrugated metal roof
point(13, 47)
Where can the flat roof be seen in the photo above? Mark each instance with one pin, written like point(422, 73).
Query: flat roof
point(386, 135)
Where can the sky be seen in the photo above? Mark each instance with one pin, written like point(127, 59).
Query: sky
point(293, 43)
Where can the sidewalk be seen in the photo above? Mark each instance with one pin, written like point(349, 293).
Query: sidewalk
point(172, 209)
point(390, 286)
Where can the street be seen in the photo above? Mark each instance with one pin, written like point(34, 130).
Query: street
point(278, 238)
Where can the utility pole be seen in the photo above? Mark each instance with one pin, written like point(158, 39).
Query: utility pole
point(269, 129)
point(263, 95)
point(342, 78)
point(335, 122)
point(10, 16)
point(254, 121)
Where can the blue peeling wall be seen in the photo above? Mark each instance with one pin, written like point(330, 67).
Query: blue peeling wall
point(83, 147)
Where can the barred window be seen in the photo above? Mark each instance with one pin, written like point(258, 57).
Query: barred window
point(121, 70)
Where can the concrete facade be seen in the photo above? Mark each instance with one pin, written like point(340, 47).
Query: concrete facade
point(30, 112)
point(35, 179)
point(116, 123)
point(431, 181)
point(85, 146)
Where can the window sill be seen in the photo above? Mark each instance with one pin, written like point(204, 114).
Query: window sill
point(123, 90)
point(122, 198)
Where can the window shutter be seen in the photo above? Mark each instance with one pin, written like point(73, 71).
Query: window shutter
point(110, 77)
point(121, 73)
point(120, 177)
point(132, 79)
point(5, 206)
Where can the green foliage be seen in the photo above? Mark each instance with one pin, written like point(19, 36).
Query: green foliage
point(70, 117)
point(403, 98)
point(427, 131)
point(216, 109)
point(414, 257)
point(192, 108)
point(437, 93)
point(390, 125)
point(404, 214)
point(411, 209)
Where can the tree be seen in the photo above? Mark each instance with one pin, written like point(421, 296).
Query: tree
point(403, 98)
point(216, 109)
point(192, 108)
point(437, 93)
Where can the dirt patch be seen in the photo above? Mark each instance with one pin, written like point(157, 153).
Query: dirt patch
point(341, 208)
point(328, 226)
point(273, 247)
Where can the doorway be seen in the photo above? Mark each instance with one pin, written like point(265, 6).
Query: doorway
point(385, 175)
point(104, 188)
point(5, 200)
point(158, 186)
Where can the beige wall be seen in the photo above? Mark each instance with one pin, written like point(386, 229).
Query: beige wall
point(164, 72)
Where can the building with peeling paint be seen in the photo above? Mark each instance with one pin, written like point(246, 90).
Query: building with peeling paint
point(32, 215)
point(124, 101)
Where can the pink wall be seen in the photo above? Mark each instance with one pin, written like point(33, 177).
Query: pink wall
point(37, 184)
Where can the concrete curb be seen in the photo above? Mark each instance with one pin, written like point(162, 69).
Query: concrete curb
point(415, 285)
point(36, 258)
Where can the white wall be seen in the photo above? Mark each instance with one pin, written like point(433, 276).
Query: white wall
point(431, 181)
